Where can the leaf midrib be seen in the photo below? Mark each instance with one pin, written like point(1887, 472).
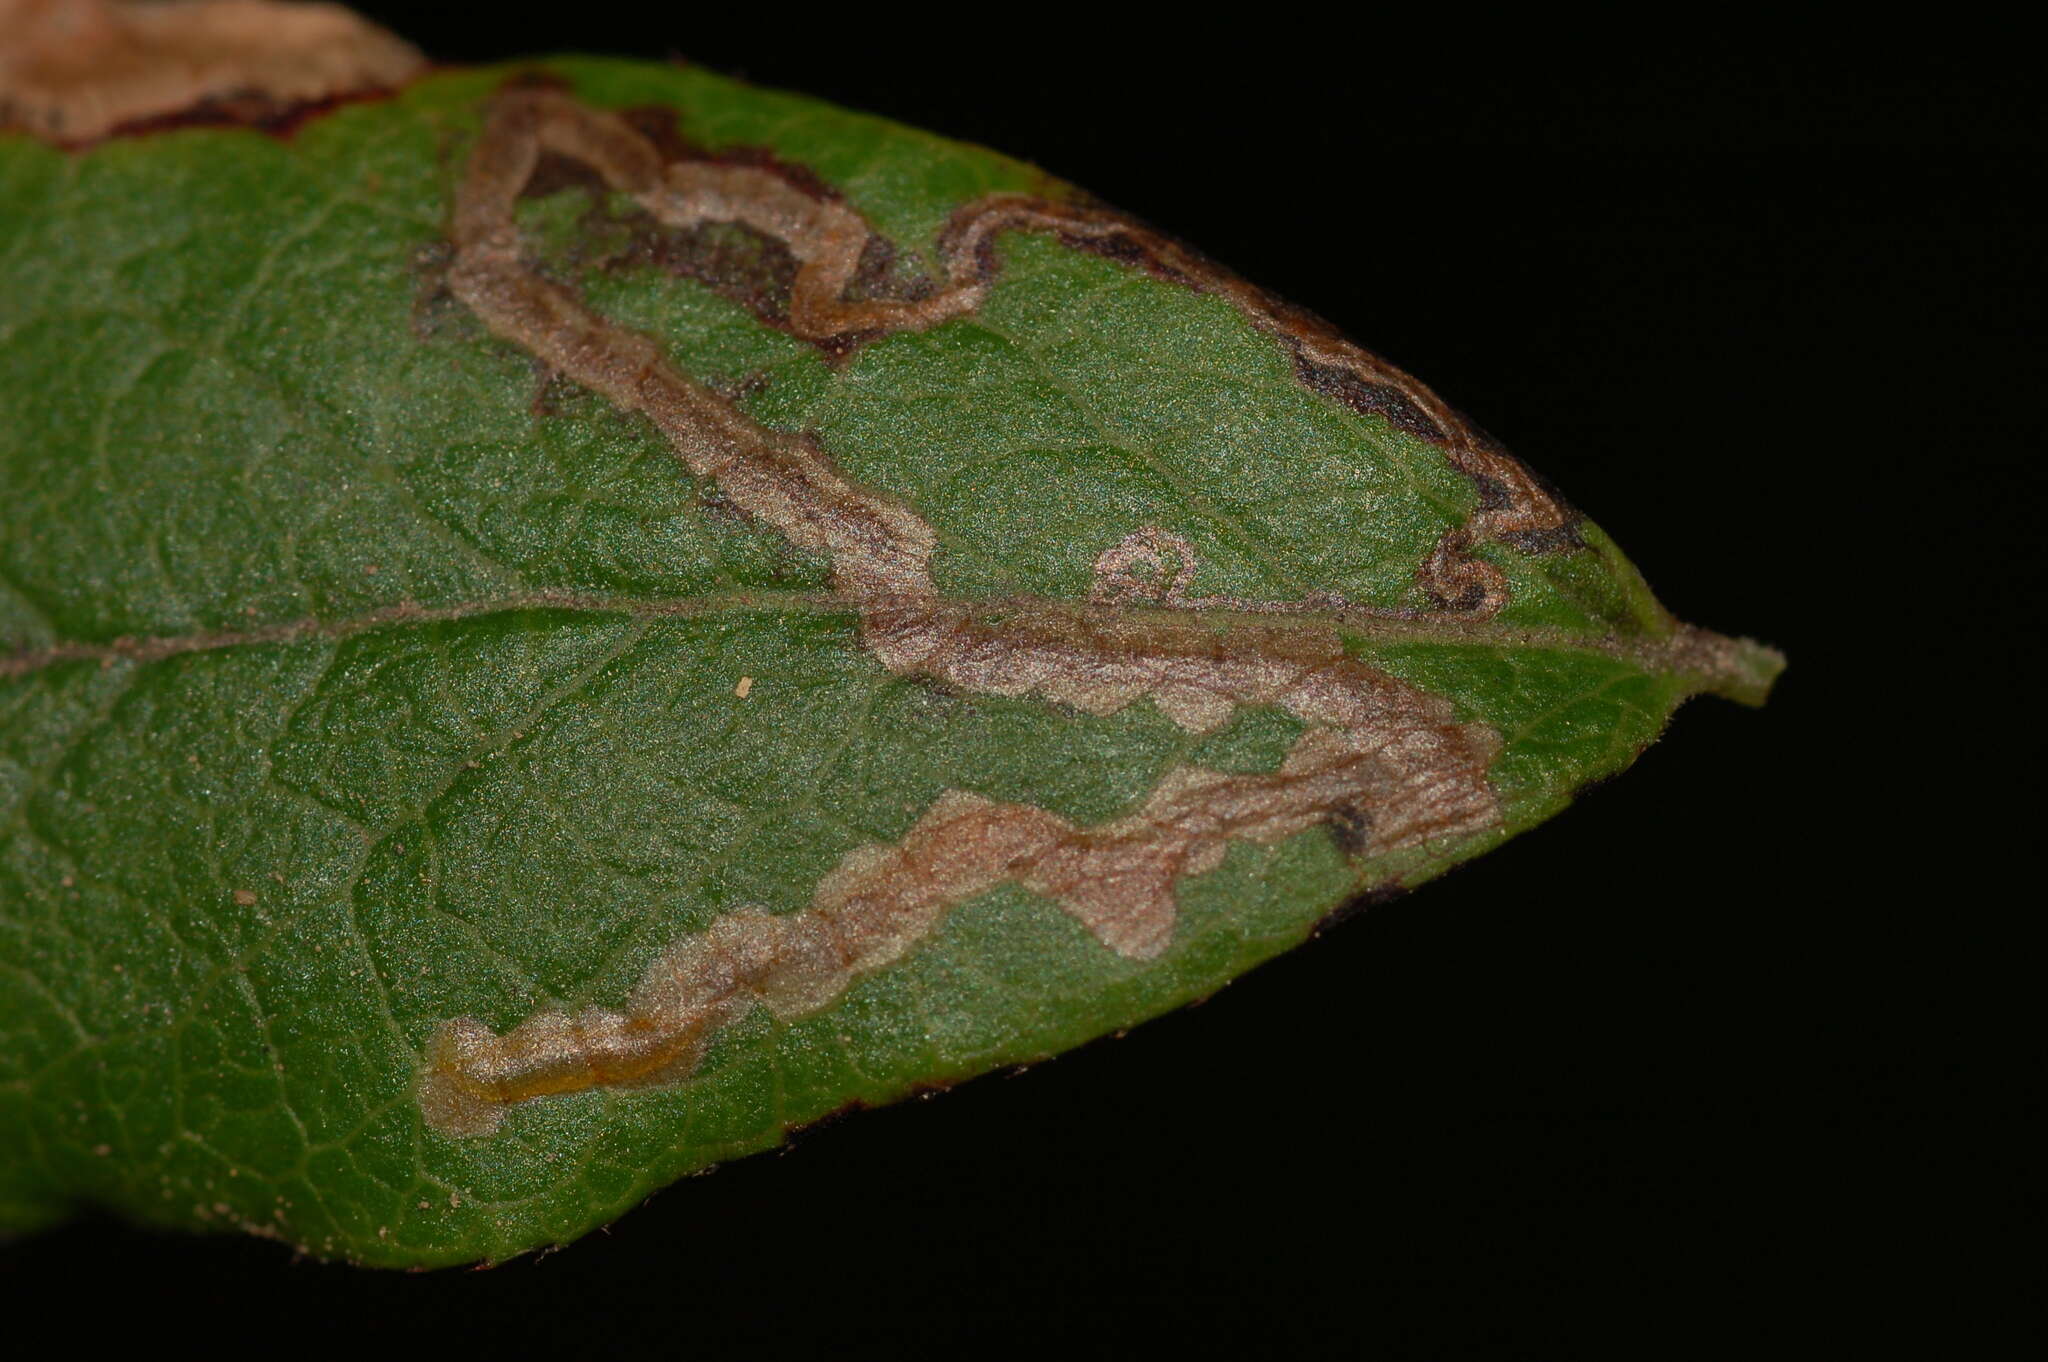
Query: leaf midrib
point(1647, 652)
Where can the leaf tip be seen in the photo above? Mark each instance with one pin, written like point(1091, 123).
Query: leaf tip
point(1738, 669)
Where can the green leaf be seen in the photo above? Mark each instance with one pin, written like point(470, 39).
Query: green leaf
point(563, 624)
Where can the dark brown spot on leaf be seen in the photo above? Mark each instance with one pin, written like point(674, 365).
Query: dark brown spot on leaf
point(1351, 829)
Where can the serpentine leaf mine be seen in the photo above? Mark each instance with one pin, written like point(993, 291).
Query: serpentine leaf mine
point(1377, 752)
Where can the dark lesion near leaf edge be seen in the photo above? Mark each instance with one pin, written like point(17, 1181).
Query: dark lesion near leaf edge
point(1356, 905)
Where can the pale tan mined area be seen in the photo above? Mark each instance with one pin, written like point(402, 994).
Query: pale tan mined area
point(75, 70)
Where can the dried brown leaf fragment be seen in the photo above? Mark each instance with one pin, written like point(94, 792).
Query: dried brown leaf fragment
point(73, 71)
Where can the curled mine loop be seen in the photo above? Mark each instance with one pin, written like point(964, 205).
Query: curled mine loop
point(1376, 753)
point(1151, 565)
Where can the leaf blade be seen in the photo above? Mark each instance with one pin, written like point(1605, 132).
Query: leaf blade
point(503, 770)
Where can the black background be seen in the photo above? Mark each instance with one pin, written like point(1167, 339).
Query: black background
point(1689, 1059)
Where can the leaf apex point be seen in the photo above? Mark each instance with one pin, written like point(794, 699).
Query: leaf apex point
point(1740, 669)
